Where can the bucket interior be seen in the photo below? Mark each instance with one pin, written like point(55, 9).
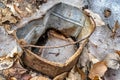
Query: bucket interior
point(60, 54)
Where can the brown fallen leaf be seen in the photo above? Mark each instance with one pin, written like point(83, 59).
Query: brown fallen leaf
point(116, 26)
point(26, 76)
point(83, 75)
point(118, 52)
point(12, 78)
point(112, 60)
point(97, 78)
point(39, 78)
point(16, 70)
point(56, 34)
point(6, 15)
point(107, 13)
point(74, 75)
point(21, 8)
point(2, 77)
point(98, 69)
point(96, 17)
point(93, 58)
point(61, 76)
point(6, 63)
point(22, 13)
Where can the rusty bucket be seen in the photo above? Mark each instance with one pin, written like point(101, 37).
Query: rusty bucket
point(70, 21)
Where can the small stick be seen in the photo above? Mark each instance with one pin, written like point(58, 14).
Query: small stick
point(54, 46)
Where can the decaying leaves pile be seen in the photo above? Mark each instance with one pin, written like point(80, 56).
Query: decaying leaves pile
point(99, 59)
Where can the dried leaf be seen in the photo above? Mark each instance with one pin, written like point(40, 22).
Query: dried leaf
point(61, 76)
point(83, 75)
point(118, 52)
point(88, 29)
point(16, 70)
point(97, 78)
point(9, 49)
point(39, 78)
point(116, 26)
point(6, 15)
point(12, 78)
point(55, 34)
point(26, 76)
point(98, 69)
point(96, 17)
point(2, 77)
point(107, 13)
point(21, 8)
point(6, 63)
point(93, 58)
point(112, 60)
point(74, 75)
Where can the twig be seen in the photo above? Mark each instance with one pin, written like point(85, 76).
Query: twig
point(54, 46)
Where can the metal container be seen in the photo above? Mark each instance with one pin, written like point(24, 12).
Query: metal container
point(71, 21)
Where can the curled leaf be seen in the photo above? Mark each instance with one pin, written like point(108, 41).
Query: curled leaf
point(96, 17)
point(6, 63)
point(98, 69)
point(61, 76)
point(6, 15)
point(74, 75)
point(112, 61)
point(39, 78)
